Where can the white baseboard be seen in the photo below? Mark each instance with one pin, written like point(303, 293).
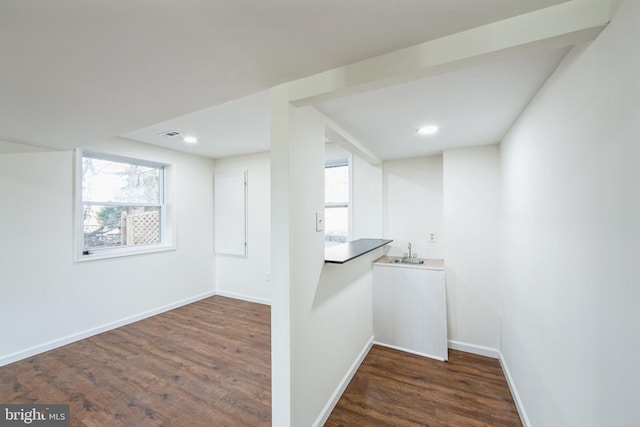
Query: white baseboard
point(243, 297)
point(337, 394)
point(417, 353)
point(474, 349)
point(514, 392)
point(50, 345)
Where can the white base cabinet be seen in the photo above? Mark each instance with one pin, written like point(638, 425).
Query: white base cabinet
point(410, 310)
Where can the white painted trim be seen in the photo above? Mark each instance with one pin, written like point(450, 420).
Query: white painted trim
point(514, 392)
point(243, 297)
point(556, 26)
point(336, 134)
point(474, 349)
point(50, 345)
point(337, 394)
point(168, 225)
point(417, 353)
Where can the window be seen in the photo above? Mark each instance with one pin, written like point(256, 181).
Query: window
point(120, 206)
point(336, 202)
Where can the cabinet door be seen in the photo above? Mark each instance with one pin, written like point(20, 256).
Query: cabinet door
point(410, 310)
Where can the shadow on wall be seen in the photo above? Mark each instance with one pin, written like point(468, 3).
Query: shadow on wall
point(335, 278)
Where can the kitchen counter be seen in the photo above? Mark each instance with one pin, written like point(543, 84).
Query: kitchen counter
point(429, 264)
point(347, 251)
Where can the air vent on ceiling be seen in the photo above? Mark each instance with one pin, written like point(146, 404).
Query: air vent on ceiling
point(170, 133)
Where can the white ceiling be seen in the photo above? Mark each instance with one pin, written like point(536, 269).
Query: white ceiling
point(473, 106)
point(75, 71)
point(234, 128)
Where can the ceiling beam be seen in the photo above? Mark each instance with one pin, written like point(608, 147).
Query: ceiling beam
point(553, 27)
point(333, 132)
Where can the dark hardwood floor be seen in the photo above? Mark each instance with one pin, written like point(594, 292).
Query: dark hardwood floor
point(208, 364)
point(204, 364)
point(394, 388)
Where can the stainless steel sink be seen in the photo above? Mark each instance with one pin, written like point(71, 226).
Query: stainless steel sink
point(407, 261)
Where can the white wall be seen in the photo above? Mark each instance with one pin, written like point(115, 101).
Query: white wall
point(571, 222)
point(367, 200)
point(249, 277)
point(281, 323)
point(471, 225)
point(46, 297)
point(413, 205)
point(331, 306)
point(321, 314)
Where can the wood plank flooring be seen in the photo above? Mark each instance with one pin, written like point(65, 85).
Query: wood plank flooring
point(394, 388)
point(204, 364)
point(208, 364)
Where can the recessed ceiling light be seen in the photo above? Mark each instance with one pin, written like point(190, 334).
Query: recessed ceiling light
point(190, 139)
point(428, 130)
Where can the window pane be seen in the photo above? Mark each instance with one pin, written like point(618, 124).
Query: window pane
point(111, 181)
point(336, 184)
point(336, 223)
point(112, 226)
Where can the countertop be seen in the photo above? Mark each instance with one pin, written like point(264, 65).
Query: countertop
point(429, 264)
point(347, 251)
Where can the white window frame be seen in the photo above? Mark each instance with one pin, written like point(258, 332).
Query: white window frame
point(343, 161)
point(167, 214)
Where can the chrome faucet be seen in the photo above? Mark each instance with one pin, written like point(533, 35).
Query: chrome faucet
point(409, 249)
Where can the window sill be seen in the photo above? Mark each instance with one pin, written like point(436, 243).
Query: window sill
point(124, 252)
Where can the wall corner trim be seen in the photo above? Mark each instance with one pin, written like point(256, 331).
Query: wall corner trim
point(243, 297)
point(337, 394)
point(50, 345)
point(474, 349)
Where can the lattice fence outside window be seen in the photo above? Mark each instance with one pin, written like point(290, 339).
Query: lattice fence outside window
point(140, 228)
